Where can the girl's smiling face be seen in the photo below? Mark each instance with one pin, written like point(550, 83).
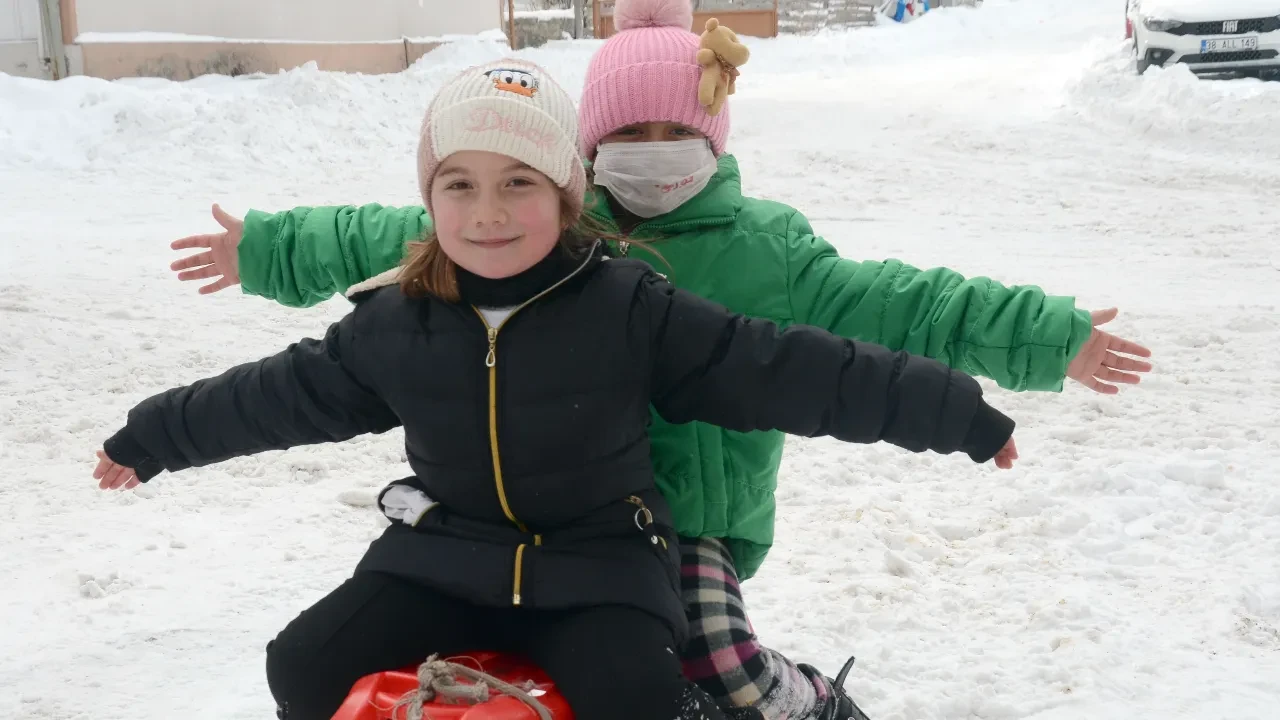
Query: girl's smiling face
point(494, 215)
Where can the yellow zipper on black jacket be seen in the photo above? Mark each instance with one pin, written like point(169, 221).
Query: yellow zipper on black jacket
point(491, 362)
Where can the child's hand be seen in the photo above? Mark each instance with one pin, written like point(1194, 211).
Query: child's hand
point(1006, 456)
point(221, 261)
point(112, 476)
point(1102, 360)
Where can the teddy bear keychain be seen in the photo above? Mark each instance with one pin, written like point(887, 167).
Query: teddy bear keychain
point(720, 55)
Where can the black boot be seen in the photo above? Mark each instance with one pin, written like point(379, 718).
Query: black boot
point(839, 705)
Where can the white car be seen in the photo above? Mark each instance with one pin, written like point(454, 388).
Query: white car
point(1208, 36)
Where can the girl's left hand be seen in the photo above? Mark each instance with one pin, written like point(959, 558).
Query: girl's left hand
point(112, 476)
point(1103, 359)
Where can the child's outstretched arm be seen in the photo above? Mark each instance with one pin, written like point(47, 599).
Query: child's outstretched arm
point(315, 391)
point(745, 374)
point(1018, 336)
point(302, 256)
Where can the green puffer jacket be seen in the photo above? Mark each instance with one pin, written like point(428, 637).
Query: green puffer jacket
point(756, 257)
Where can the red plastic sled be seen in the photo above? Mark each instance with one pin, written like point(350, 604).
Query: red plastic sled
point(375, 696)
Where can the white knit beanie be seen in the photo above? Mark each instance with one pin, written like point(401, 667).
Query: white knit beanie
point(510, 107)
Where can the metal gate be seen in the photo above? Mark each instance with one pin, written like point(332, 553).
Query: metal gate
point(757, 18)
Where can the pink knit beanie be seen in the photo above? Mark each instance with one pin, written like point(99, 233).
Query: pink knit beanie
point(647, 72)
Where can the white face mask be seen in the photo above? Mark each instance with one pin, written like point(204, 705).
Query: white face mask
point(654, 178)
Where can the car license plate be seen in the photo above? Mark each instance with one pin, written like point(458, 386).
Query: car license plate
point(1232, 44)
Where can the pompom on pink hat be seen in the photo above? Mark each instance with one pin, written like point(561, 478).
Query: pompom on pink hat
point(647, 72)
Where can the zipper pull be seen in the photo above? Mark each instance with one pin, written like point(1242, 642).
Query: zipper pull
point(642, 511)
point(491, 358)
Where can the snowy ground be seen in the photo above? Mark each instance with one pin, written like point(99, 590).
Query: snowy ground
point(1129, 568)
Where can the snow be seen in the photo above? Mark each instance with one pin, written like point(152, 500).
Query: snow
point(552, 14)
point(1202, 10)
point(1128, 567)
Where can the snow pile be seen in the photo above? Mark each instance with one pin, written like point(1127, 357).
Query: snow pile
point(1127, 567)
point(1173, 104)
point(996, 28)
point(89, 124)
point(83, 123)
point(337, 118)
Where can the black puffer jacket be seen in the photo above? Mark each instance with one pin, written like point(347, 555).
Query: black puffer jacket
point(532, 435)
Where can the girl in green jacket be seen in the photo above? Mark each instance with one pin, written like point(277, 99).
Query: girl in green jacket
point(661, 172)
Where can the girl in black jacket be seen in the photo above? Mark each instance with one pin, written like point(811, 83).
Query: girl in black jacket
point(522, 363)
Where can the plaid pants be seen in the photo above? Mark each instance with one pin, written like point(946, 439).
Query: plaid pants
point(723, 655)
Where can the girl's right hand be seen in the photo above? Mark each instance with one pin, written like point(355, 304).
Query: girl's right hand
point(1004, 459)
point(221, 259)
point(113, 476)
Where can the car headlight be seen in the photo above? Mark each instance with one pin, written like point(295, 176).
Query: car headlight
point(1156, 25)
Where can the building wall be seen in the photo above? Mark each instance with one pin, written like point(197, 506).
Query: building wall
point(306, 20)
point(181, 39)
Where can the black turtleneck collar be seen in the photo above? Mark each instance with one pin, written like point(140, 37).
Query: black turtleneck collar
point(511, 291)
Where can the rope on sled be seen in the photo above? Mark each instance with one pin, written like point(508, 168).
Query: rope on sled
point(439, 678)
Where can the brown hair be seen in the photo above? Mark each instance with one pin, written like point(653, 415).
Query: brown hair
point(429, 271)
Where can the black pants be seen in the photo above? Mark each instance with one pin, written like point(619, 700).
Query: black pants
point(610, 662)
